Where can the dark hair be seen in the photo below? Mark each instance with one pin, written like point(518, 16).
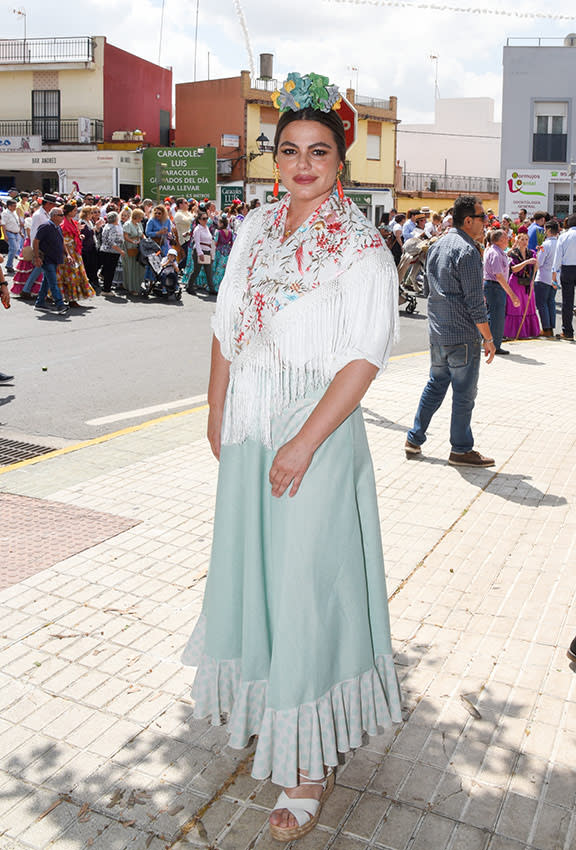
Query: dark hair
point(495, 235)
point(223, 222)
point(570, 221)
point(553, 226)
point(399, 218)
point(330, 119)
point(68, 208)
point(464, 206)
point(539, 214)
point(180, 201)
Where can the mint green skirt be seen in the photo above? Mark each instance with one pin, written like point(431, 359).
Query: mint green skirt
point(293, 643)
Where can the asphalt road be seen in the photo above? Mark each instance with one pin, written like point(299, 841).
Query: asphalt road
point(114, 363)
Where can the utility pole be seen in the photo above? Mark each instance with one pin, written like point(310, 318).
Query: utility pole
point(196, 37)
point(435, 59)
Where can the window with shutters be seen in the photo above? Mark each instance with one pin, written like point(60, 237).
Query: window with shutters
point(46, 114)
point(373, 140)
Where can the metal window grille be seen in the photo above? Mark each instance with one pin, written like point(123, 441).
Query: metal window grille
point(46, 114)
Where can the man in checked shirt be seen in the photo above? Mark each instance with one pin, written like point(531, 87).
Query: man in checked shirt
point(458, 325)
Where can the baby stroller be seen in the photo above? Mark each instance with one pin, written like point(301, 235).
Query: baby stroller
point(164, 283)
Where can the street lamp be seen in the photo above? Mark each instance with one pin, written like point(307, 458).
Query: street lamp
point(261, 141)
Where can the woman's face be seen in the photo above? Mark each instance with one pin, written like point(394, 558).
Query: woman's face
point(124, 216)
point(308, 160)
point(522, 241)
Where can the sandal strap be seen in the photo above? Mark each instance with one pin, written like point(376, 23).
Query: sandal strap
point(302, 809)
point(305, 780)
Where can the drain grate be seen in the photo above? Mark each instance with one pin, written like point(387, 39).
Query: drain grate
point(11, 451)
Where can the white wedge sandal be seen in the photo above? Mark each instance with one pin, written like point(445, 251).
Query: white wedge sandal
point(306, 810)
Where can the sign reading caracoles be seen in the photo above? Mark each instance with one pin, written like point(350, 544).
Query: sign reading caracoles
point(186, 172)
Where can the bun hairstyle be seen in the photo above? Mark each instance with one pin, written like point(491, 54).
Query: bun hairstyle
point(330, 119)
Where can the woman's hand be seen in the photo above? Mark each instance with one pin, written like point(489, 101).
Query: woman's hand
point(214, 431)
point(515, 300)
point(290, 465)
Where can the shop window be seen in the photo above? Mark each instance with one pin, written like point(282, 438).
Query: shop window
point(550, 136)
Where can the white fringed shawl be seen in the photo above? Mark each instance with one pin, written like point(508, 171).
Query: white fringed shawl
point(291, 314)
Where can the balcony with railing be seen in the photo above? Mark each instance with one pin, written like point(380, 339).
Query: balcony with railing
point(414, 182)
point(46, 51)
point(264, 84)
point(373, 102)
point(67, 131)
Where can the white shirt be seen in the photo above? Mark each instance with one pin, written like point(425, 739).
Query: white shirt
point(10, 221)
point(183, 222)
point(39, 218)
point(565, 250)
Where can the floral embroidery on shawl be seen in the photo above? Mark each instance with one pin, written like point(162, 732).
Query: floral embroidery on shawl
point(279, 272)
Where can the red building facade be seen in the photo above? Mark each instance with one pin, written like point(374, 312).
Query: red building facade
point(137, 95)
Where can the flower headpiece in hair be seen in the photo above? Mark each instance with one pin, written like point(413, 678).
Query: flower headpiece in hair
point(310, 91)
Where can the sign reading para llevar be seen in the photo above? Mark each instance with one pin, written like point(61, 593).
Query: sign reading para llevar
point(182, 172)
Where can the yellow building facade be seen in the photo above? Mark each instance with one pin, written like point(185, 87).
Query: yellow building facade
point(370, 165)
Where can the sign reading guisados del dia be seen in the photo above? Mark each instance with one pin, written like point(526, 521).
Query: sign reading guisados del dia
point(182, 172)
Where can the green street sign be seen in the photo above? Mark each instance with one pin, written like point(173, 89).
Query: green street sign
point(186, 172)
point(359, 199)
point(228, 194)
point(270, 196)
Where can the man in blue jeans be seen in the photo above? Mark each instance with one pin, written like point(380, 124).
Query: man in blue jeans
point(50, 242)
point(458, 324)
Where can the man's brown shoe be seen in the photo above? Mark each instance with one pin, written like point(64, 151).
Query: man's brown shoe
point(411, 449)
point(472, 458)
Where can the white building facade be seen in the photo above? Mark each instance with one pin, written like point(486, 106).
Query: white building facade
point(464, 140)
point(538, 125)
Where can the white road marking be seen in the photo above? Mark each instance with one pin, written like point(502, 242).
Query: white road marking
point(146, 411)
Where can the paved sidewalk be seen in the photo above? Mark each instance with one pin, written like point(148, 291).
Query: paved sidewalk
point(98, 748)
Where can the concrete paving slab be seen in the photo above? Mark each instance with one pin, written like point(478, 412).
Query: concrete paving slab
point(96, 710)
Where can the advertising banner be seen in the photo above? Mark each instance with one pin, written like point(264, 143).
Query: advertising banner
point(20, 143)
point(526, 189)
point(182, 172)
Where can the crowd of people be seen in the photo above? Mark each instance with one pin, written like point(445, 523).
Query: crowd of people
point(63, 250)
point(525, 262)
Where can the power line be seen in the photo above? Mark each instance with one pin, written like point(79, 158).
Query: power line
point(511, 13)
point(457, 135)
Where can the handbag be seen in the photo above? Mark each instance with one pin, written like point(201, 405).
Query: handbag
point(28, 253)
point(132, 251)
point(205, 259)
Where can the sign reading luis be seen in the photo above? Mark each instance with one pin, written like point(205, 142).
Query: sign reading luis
point(527, 190)
point(229, 194)
point(181, 172)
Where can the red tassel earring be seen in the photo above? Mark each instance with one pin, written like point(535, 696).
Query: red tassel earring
point(339, 188)
point(276, 180)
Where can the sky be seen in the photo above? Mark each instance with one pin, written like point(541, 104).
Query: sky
point(380, 50)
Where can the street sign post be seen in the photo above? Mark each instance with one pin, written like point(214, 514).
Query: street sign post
point(349, 115)
point(186, 172)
